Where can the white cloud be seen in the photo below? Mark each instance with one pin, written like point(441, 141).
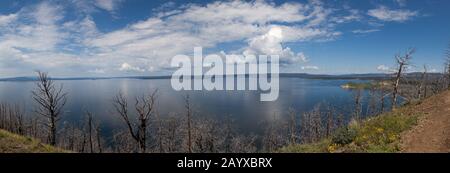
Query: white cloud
point(33, 41)
point(299, 33)
point(40, 33)
point(108, 5)
point(80, 31)
point(360, 31)
point(40, 37)
point(385, 14)
point(309, 67)
point(6, 19)
point(128, 67)
point(401, 3)
point(97, 71)
point(95, 6)
point(270, 44)
point(154, 41)
point(433, 70)
point(258, 12)
point(383, 68)
point(353, 16)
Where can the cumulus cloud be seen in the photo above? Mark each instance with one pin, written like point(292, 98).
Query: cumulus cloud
point(130, 68)
point(270, 44)
point(41, 37)
point(384, 68)
point(6, 19)
point(385, 14)
point(32, 38)
point(159, 38)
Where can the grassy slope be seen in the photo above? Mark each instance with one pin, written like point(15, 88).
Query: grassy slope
point(377, 134)
point(13, 143)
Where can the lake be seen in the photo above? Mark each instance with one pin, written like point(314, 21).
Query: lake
point(244, 107)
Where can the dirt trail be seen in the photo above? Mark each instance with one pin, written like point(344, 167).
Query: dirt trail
point(432, 134)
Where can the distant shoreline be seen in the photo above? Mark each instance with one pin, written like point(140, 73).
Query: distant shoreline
point(370, 76)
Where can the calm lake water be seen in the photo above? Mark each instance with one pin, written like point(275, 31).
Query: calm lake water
point(243, 106)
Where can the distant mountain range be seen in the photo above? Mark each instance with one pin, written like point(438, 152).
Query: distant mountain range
point(368, 76)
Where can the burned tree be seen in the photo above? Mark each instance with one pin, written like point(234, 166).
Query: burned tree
point(99, 139)
point(292, 123)
point(89, 129)
point(329, 124)
point(75, 138)
point(207, 135)
point(312, 128)
point(12, 118)
point(422, 88)
point(372, 103)
point(274, 134)
point(51, 100)
point(402, 63)
point(383, 92)
point(357, 96)
point(172, 141)
point(92, 134)
point(447, 67)
point(159, 133)
point(145, 108)
point(189, 128)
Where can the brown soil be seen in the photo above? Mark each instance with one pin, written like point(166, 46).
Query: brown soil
point(432, 134)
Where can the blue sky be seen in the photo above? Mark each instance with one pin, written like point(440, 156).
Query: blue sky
point(138, 37)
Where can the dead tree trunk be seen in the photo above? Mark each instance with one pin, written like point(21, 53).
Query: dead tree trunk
point(50, 101)
point(99, 141)
point(92, 129)
point(89, 131)
point(159, 121)
point(382, 96)
point(357, 95)
point(402, 64)
point(447, 66)
point(422, 90)
point(330, 121)
point(188, 114)
point(145, 109)
point(292, 126)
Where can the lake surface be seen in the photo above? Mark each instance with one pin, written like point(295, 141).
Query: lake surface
point(244, 107)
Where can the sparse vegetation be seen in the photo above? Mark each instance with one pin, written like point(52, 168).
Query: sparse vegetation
point(13, 143)
point(377, 134)
point(318, 147)
point(344, 136)
point(381, 133)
